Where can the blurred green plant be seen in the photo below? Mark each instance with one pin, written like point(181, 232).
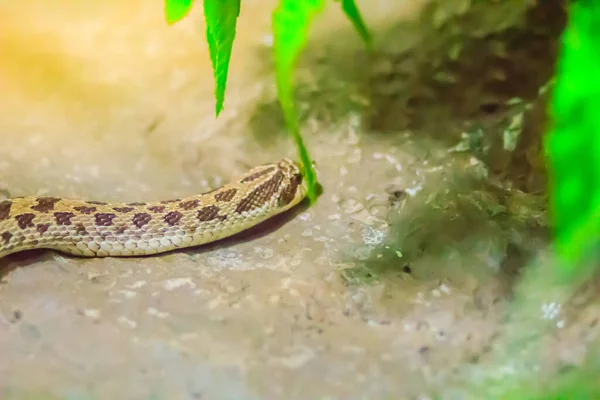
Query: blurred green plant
point(351, 11)
point(573, 144)
point(572, 148)
point(221, 17)
point(571, 383)
point(291, 23)
point(176, 10)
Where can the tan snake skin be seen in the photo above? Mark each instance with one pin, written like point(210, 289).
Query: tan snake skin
point(99, 229)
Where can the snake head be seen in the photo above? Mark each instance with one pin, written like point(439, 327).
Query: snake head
point(293, 189)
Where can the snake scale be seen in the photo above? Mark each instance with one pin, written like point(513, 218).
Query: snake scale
point(101, 229)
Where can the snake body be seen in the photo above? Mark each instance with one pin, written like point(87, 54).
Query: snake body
point(101, 229)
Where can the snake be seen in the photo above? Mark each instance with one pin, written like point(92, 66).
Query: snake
point(90, 228)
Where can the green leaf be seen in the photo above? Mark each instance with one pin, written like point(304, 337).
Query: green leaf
point(351, 11)
point(573, 145)
point(176, 10)
point(221, 17)
point(291, 21)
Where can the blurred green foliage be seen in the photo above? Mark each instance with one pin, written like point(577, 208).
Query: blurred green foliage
point(351, 11)
point(291, 23)
point(221, 17)
point(576, 383)
point(573, 144)
point(175, 10)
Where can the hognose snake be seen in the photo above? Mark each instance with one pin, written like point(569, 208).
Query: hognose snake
point(100, 229)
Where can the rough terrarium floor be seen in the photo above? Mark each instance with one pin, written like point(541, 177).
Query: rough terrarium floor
point(397, 277)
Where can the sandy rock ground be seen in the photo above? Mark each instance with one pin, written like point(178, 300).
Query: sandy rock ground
point(397, 277)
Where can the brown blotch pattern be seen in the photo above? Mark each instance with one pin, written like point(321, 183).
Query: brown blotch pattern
point(189, 205)
point(226, 195)
point(85, 209)
point(80, 229)
point(173, 217)
point(121, 229)
point(170, 201)
point(41, 228)
point(123, 209)
point(25, 220)
point(259, 196)
point(136, 204)
point(98, 203)
point(45, 204)
point(209, 213)
point(289, 192)
point(6, 236)
point(257, 174)
point(104, 219)
point(141, 219)
point(157, 209)
point(63, 218)
point(5, 209)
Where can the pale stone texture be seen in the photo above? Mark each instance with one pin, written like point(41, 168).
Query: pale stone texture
point(383, 289)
